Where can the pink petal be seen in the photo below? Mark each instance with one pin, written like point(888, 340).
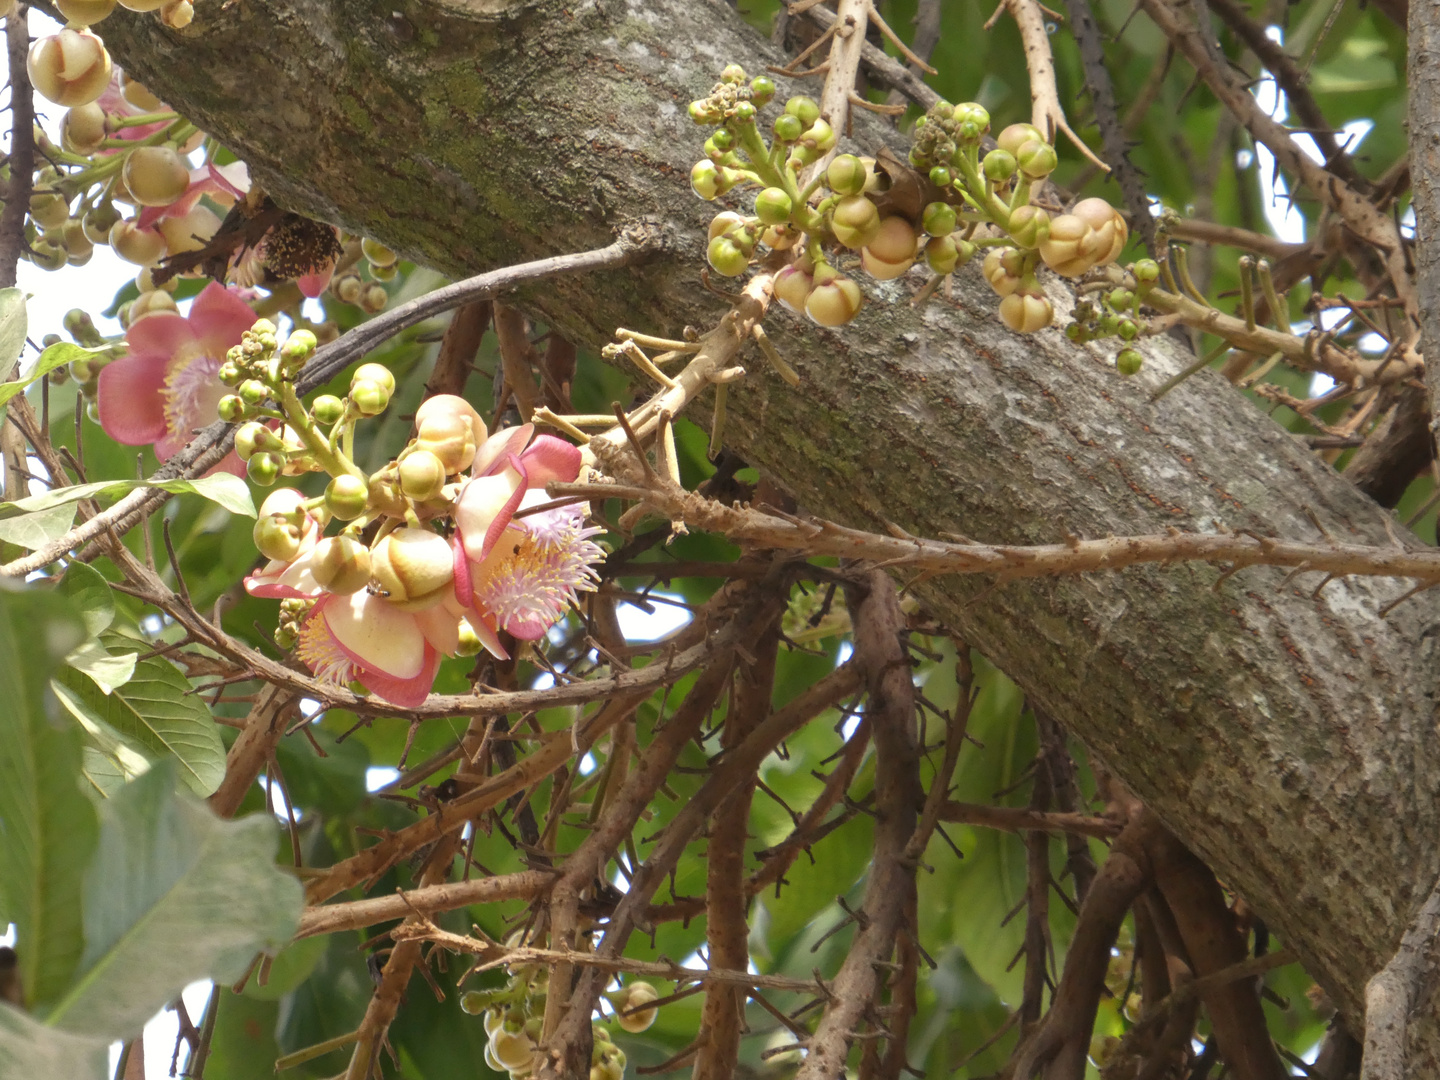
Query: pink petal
point(131, 408)
point(160, 335)
point(461, 584)
point(485, 507)
point(441, 627)
point(233, 179)
point(312, 285)
point(531, 629)
point(375, 634)
point(487, 634)
point(218, 318)
point(403, 693)
point(549, 458)
point(494, 451)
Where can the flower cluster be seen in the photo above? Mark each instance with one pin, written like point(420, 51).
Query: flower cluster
point(513, 1017)
point(436, 554)
point(860, 205)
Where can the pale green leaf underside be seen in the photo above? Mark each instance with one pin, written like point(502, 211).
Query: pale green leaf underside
point(39, 529)
point(225, 489)
point(36, 1052)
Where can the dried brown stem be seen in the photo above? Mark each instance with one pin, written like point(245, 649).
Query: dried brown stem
point(458, 348)
point(22, 148)
point(517, 358)
point(1394, 990)
point(335, 918)
point(254, 746)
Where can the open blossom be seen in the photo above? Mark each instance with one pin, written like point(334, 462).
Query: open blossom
point(166, 387)
point(363, 637)
point(520, 574)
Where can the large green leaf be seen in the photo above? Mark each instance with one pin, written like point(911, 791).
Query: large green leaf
point(34, 531)
point(36, 1052)
point(57, 355)
point(157, 709)
point(13, 328)
point(173, 894)
point(225, 489)
point(47, 825)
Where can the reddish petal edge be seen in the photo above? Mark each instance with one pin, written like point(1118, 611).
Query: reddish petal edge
point(403, 693)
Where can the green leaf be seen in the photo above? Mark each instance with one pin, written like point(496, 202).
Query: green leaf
point(105, 774)
point(47, 825)
point(87, 589)
point(37, 530)
point(13, 328)
point(34, 1050)
point(156, 709)
point(57, 355)
point(109, 670)
point(173, 894)
point(226, 489)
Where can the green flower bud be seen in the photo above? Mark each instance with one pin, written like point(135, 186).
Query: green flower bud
point(264, 469)
point(377, 254)
point(253, 391)
point(276, 538)
point(846, 175)
point(806, 109)
point(773, 205)
point(298, 348)
point(1128, 362)
point(940, 176)
point(231, 409)
point(49, 209)
point(999, 166)
point(733, 74)
point(230, 373)
point(327, 409)
point(286, 637)
point(762, 89)
point(250, 438)
point(474, 1002)
point(1017, 135)
point(972, 116)
point(98, 222)
point(1029, 226)
point(788, 127)
point(1128, 330)
point(469, 643)
point(703, 112)
point(341, 564)
point(1146, 271)
point(377, 373)
point(384, 273)
point(721, 140)
point(726, 256)
point(941, 254)
point(347, 496)
point(1037, 160)
point(422, 475)
point(743, 113)
point(939, 219)
point(705, 180)
point(1120, 299)
point(819, 136)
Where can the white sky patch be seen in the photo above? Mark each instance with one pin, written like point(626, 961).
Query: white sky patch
point(641, 625)
point(161, 1032)
point(277, 800)
point(377, 776)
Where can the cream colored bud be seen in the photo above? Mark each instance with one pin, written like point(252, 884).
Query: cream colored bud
point(449, 437)
point(1025, 313)
point(138, 95)
point(143, 247)
point(69, 68)
point(155, 175)
point(892, 252)
point(834, 303)
point(1002, 269)
point(85, 12)
point(178, 14)
point(641, 993)
point(422, 475)
point(148, 303)
point(142, 5)
point(190, 232)
point(414, 567)
point(82, 129)
point(341, 564)
point(1065, 250)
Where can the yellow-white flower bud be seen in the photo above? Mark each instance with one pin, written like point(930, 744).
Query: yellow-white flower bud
point(69, 68)
point(414, 567)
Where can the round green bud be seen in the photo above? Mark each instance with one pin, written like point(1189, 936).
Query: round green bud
point(762, 89)
point(298, 348)
point(722, 140)
point(230, 373)
point(1029, 225)
point(788, 127)
point(276, 538)
point(370, 398)
point(705, 180)
point(855, 221)
point(1146, 271)
point(250, 438)
point(1128, 362)
point(1077, 333)
point(1037, 160)
point(940, 176)
point(773, 206)
point(733, 74)
point(939, 219)
point(1128, 330)
point(999, 166)
point(286, 637)
point(79, 325)
point(743, 113)
point(384, 273)
point(231, 409)
point(806, 109)
point(377, 254)
point(846, 175)
point(702, 112)
point(253, 391)
point(264, 469)
point(98, 222)
point(819, 136)
point(941, 254)
point(327, 409)
point(974, 115)
point(422, 475)
point(474, 1002)
point(469, 643)
point(346, 497)
point(726, 256)
point(378, 373)
point(48, 255)
point(1120, 299)
point(1017, 135)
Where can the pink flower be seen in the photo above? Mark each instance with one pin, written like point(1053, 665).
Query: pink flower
point(166, 386)
point(288, 578)
point(520, 574)
point(363, 637)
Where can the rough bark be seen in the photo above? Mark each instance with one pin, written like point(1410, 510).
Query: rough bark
point(1287, 738)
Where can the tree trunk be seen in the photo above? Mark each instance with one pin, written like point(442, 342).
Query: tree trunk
point(1288, 738)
